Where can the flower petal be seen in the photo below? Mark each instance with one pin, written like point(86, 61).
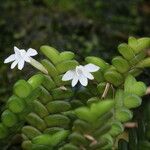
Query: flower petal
point(23, 56)
point(68, 75)
point(87, 74)
point(91, 67)
point(10, 58)
point(16, 50)
point(83, 80)
point(31, 52)
point(21, 64)
point(75, 80)
point(13, 65)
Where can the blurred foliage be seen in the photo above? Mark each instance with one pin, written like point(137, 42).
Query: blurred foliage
point(85, 27)
point(50, 116)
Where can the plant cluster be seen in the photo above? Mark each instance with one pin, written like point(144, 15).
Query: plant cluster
point(50, 114)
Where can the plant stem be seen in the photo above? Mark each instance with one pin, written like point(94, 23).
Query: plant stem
point(147, 91)
point(131, 125)
point(106, 90)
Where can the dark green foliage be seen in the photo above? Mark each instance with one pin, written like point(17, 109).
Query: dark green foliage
point(51, 115)
point(85, 27)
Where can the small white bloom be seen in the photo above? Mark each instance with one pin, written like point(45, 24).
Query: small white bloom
point(20, 57)
point(81, 74)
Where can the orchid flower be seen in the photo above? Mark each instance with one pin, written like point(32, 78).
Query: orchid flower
point(21, 56)
point(81, 74)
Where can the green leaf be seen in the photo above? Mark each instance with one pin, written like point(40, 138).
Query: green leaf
point(123, 114)
point(22, 89)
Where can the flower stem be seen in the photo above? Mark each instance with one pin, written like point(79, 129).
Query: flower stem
point(38, 65)
point(106, 90)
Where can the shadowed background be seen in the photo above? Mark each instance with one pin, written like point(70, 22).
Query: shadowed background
point(87, 27)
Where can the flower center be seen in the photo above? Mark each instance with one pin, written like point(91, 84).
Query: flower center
point(79, 70)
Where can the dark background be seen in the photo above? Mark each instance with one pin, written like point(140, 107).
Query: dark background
point(87, 27)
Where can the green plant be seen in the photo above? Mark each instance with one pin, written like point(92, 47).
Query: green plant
point(50, 114)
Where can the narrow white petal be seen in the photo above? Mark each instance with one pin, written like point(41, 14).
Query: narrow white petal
point(13, 65)
point(75, 80)
point(87, 74)
point(16, 50)
point(91, 67)
point(10, 58)
point(18, 55)
point(83, 80)
point(68, 75)
point(31, 52)
point(21, 64)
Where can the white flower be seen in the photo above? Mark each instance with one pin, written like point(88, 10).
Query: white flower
point(81, 74)
point(20, 57)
